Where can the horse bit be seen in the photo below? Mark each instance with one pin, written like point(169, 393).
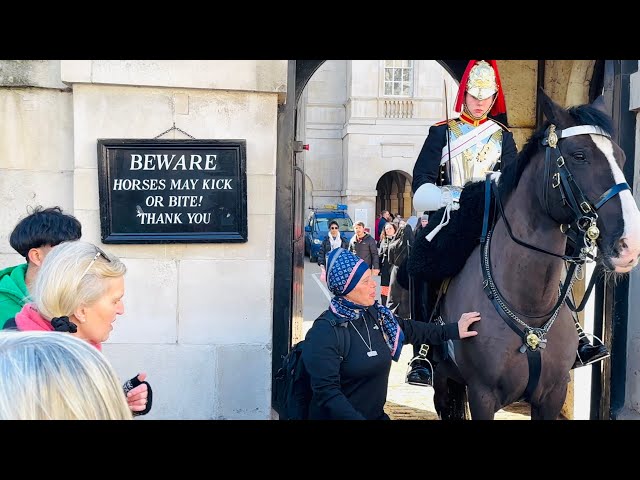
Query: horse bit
point(583, 224)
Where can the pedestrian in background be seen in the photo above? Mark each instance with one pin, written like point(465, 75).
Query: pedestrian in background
point(364, 246)
point(399, 301)
point(385, 217)
point(333, 240)
point(386, 238)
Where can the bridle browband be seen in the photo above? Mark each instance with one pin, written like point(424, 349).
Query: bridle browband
point(581, 230)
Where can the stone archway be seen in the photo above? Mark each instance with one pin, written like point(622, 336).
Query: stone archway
point(394, 193)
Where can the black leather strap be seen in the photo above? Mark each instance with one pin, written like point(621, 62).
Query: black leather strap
point(535, 368)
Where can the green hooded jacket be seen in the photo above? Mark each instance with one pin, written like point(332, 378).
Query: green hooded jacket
point(13, 292)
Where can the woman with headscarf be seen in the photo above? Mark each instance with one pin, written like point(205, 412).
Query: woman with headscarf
point(355, 387)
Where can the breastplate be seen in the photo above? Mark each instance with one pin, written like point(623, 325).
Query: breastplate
point(481, 157)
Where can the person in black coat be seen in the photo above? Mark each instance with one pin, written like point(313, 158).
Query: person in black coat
point(333, 240)
point(388, 233)
point(364, 246)
point(355, 387)
point(456, 152)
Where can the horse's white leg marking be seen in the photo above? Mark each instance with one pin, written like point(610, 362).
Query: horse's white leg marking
point(630, 241)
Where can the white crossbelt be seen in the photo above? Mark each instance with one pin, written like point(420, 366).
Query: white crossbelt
point(469, 139)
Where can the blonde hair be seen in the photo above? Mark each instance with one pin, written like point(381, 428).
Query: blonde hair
point(55, 376)
point(72, 274)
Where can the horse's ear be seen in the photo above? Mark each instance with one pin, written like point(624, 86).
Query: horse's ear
point(599, 104)
point(554, 112)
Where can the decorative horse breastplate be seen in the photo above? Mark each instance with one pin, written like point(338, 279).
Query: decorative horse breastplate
point(475, 150)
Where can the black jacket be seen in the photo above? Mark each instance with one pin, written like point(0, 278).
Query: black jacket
point(427, 166)
point(366, 249)
point(356, 388)
point(325, 248)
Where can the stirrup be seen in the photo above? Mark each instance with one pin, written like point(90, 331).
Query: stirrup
point(420, 362)
point(595, 359)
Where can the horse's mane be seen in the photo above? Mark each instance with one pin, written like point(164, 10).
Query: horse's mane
point(582, 115)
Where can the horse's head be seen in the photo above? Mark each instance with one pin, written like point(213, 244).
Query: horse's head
point(585, 186)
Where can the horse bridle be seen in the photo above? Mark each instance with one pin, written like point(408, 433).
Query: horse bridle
point(582, 225)
point(584, 212)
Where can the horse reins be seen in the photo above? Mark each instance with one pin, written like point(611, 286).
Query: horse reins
point(582, 225)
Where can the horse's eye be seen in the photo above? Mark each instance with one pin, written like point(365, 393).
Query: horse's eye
point(580, 157)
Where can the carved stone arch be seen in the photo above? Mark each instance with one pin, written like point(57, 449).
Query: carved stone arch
point(394, 193)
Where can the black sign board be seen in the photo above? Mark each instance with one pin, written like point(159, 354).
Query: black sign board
point(172, 191)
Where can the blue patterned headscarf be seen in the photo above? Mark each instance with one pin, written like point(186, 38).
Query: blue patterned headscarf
point(344, 271)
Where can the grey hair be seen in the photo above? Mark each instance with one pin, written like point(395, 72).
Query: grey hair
point(56, 376)
point(70, 277)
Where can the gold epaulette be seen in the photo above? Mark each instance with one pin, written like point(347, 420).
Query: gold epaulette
point(439, 123)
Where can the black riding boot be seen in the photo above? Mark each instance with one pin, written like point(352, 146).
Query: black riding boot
point(420, 369)
point(587, 352)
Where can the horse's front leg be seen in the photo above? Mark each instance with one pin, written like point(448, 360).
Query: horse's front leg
point(482, 402)
point(550, 406)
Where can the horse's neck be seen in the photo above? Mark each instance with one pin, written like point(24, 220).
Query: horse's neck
point(527, 279)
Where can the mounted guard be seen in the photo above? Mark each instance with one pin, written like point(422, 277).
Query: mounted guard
point(449, 173)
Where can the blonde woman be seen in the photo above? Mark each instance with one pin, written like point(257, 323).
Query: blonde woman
point(79, 290)
point(49, 376)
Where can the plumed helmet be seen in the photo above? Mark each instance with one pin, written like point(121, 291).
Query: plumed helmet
point(482, 79)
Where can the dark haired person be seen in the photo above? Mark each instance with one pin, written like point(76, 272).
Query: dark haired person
point(33, 237)
point(333, 240)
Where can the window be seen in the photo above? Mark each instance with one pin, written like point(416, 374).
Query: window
point(398, 78)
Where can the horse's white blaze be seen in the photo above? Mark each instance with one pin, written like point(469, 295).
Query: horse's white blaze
point(630, 249)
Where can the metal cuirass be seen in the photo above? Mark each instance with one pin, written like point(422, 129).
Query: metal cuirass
point(481, 156)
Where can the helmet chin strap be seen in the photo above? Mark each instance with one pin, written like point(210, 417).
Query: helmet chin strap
point(466, 110)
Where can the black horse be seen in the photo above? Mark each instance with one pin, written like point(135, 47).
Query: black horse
point(567, 183)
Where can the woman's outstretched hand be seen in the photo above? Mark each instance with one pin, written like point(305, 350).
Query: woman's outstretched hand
point(466, 320)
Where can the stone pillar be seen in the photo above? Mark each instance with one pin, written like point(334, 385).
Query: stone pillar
point(631, 409)
point(36, 144)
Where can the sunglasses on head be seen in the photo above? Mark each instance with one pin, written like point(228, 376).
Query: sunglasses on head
point(95, 257)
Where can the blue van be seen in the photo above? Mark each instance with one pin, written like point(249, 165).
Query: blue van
point(317, 227)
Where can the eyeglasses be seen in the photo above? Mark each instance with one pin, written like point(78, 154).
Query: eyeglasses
point(98, 253)
point(334, 228)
